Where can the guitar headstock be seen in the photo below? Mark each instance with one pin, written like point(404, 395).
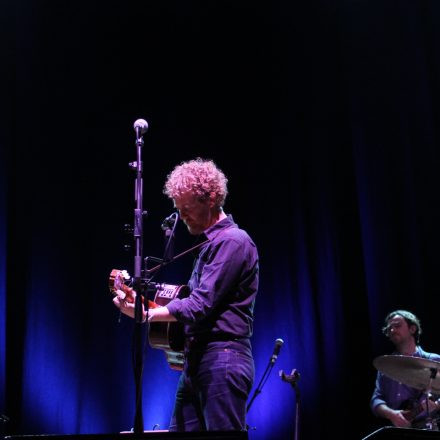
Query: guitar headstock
point(117, 281)
point(116, 284)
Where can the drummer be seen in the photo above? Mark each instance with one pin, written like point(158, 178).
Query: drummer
point(402, 405)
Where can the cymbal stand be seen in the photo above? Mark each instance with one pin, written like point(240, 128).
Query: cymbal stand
point(430, 423)
point(3, 421)
point(293, 378)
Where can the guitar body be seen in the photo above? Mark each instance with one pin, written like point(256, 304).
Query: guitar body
point(169, 336)
point(166, 336)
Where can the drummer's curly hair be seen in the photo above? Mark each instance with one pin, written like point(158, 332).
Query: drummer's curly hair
point(200, 176)
point(409, 317)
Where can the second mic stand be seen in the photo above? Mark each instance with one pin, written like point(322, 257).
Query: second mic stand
point(293, 378)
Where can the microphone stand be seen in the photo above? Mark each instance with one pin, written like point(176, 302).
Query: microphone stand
point(141, 285)
point(137, 279)
point(262, 382)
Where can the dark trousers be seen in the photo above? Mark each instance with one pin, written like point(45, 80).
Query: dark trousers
point(214, 387)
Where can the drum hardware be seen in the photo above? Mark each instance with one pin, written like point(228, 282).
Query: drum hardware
point(415, 372)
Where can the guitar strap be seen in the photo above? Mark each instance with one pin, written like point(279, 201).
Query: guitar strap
point(164, 263)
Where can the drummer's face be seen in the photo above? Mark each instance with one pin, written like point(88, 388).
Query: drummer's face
point(398, 329)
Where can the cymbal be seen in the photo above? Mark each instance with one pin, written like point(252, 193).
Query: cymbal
point(409, 370)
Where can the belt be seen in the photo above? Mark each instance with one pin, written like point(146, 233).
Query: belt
point(203, 339)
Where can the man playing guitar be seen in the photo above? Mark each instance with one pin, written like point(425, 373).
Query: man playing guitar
point(218, 367)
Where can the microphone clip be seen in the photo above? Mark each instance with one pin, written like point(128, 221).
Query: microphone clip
point(291, 378)
point(170, 222)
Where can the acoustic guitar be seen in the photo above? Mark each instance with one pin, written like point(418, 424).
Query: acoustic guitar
point(166, 336)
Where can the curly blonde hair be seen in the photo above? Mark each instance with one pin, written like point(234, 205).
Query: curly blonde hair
point(200, 176)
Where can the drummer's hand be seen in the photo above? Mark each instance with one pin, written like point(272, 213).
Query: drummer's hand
point(432, 405)
point(398, 419)
point(127, 308)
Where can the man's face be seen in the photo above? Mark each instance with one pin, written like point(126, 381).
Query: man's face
point(398, 330)
point(195, 213)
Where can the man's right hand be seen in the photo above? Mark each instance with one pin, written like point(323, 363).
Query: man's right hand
point(398, 419)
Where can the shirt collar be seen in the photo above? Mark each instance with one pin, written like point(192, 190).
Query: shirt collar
point(216, 228)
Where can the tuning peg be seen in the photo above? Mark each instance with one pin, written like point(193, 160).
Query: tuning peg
point(125, 274)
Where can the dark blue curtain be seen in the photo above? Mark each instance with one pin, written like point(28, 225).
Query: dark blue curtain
point(324, 117)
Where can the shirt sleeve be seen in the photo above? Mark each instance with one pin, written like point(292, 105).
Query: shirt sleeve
point(378, 397)
point(220, 274)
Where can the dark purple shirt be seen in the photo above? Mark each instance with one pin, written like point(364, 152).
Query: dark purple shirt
point(223, 285)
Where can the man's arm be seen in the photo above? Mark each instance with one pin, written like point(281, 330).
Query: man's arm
point(157, 314)
point(161, 314)
point(395, 416)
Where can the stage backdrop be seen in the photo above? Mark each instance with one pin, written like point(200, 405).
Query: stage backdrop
point(324, 115)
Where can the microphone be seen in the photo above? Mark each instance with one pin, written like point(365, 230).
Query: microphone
point(141, 127)
point(168, 226)
point(276, 351)
point(169, 222)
